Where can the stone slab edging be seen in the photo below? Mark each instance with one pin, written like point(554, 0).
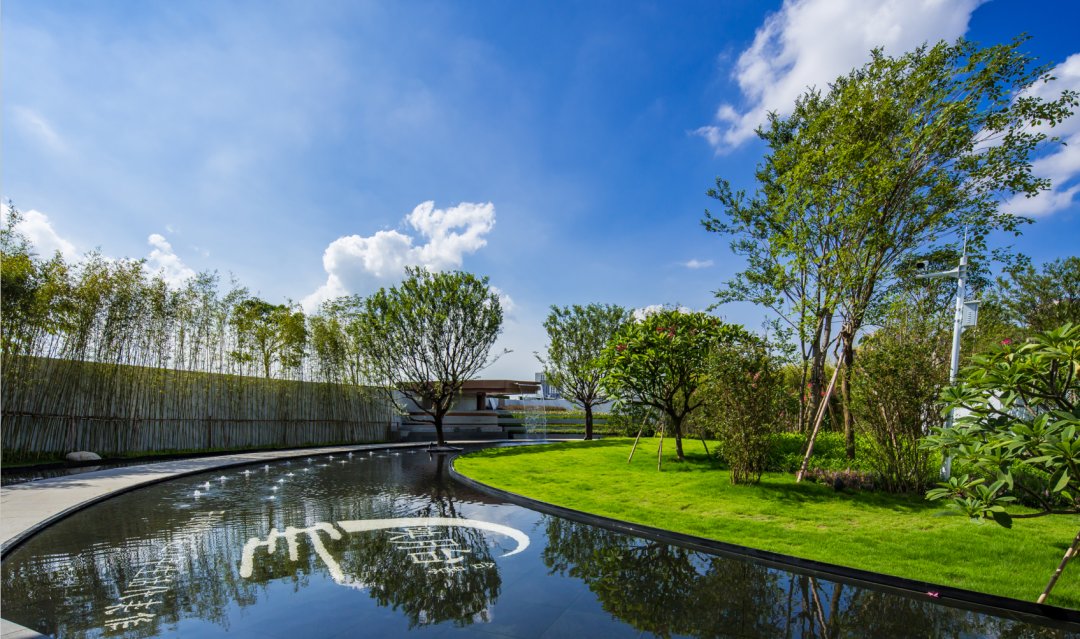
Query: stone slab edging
point(1006, 607)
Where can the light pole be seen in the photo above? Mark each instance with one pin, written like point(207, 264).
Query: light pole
point(965, 314)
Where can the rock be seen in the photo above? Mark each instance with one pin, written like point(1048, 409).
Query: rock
point(82, 456)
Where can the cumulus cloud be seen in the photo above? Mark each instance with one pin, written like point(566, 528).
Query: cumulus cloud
point(357, 264)
point(36, 226)
point(1062, 166)
point(696, 263)
point(163, 261)
point(811, 42)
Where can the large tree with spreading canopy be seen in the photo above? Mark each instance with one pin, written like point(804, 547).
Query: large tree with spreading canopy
point(428, 335)
point(903, 154)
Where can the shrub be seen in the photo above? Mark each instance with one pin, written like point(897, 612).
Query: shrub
point(1019, 436)
point(829, 453)
point(627, 419)
point(845, 479)
point(744, 402)
point(896, 380)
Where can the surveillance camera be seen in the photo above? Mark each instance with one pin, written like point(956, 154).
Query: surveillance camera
point(921, 265)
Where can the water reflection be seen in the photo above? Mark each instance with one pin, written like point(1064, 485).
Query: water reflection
point(361, 546)
point(671, 591)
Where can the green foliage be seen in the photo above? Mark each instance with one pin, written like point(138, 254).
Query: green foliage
point(335, 340)
point(268, 333)
point(577, 335)
point(1022, 410)
point(894, 159)
point(661, 361)
point(787, 452)
point(745, 396)
point(628, 419)
point(1041, 301)
point(898, 377)
point(426, 336)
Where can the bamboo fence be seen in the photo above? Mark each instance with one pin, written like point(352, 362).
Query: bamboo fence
point(54, 406)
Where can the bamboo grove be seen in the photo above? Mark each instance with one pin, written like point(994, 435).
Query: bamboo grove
point(102, 355)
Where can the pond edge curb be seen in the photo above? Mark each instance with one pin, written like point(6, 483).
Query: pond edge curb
point(1006, 607)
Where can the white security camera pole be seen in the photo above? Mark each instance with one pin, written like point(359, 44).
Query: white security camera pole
point(964, 315)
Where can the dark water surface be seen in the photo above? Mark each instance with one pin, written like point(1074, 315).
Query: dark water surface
point(362, 546)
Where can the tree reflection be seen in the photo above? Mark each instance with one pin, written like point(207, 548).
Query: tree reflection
point(667, 590)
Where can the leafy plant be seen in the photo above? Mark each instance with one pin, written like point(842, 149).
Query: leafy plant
point(898, 377)
point(745, 395)
point(661, 361)
point(1021, 405)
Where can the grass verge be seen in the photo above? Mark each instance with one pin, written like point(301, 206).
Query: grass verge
point(902, 535)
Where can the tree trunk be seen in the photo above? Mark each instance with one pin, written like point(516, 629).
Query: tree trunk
point(588, 420)
point(848, 356)
point(676, 427)
point(440, 440)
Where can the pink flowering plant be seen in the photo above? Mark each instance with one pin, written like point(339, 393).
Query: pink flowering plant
point(661, 361)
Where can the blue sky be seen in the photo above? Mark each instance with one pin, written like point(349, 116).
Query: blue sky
point(564, 148)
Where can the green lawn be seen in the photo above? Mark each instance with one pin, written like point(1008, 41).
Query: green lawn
point(905, 536)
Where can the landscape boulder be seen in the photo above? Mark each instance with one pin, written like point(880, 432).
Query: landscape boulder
point(82, 456)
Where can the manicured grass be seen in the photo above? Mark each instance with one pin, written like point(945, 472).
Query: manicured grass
point(905, 536)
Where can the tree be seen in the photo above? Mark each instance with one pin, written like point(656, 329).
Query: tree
point(335, 340)
point(577, 336)
point(1041, 301)
point(267, 333)
point(897, 156)
point(1018, 440)
point(428, 335)
point(661, 361)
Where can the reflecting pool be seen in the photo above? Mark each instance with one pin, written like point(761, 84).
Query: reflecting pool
point(385, 544)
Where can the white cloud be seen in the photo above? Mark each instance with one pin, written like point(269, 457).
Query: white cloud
point(696, 264)
point(36, 126)
point(639, 314)
point(811, 42)
point(165, 262)
point(36, 226)
point(507, 302)
point(1062, 166)
point(356, 264)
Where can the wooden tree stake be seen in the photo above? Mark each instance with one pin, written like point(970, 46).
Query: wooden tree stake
point(1069, 554)
point(817, 423)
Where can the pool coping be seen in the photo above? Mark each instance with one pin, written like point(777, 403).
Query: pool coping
point(1006, 607)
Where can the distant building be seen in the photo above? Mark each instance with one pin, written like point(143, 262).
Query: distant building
point(549, 391)
point(475, 413)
